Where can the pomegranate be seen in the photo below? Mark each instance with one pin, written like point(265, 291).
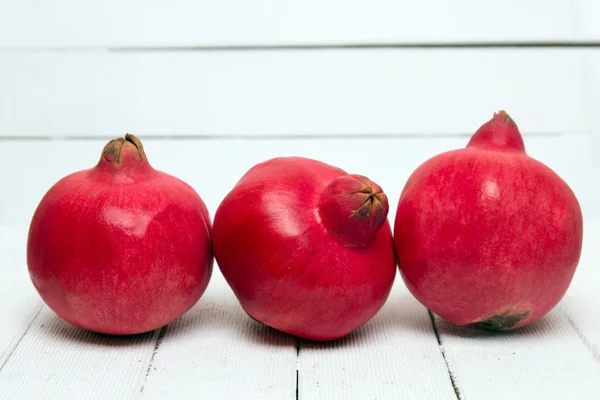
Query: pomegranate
point(486, 235)
point(306, 247)
point(120, 248)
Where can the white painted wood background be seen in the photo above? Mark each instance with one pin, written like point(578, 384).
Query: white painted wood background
point(215, 87)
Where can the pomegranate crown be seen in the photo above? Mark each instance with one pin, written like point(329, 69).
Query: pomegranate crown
point(353, 208)
point(499, 133)
point(118, 150)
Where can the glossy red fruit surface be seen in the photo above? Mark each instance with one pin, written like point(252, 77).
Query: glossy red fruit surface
point(487, 235)
point(120, 248)
point(306, 247)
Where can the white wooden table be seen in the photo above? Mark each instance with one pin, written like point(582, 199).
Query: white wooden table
point(213, 88)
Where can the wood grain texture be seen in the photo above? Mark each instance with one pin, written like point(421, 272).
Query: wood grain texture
point(19, 301)
point(413, 92)
point(56, 360)
point(217, 350)
point(394, 356)
point(546, 360)
point(69, 23)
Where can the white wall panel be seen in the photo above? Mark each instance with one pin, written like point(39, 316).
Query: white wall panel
point(586, 16)
point(591, 90)
point(114, 23)
point(279, 93)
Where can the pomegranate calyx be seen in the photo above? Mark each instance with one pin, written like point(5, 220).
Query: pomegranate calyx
point(114, 150)
point(137, 143)
point(373, 199)
point(353, 208)
point(500, 133)
point(505, 118)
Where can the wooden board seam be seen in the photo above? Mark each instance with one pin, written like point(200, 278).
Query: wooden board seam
point(451, 375)
point(159, 334)
point(554, 44)
point(297, 343)
point(587, 343)
point(12, 347)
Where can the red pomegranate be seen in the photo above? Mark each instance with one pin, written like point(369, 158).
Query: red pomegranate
point(487, 235)
point(120, 248)
point(306, 247)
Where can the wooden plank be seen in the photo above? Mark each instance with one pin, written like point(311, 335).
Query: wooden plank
point(388, 161)
point(394, 356)
point(68, 23)
point(19, 308)
point(19, 300)
point(289, 93)
point(56, 360)
point(216, 350)
point(546, 360)
point(582, 300)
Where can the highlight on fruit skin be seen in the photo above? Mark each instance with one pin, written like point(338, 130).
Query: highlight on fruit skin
point(306, 247)
point(486, 235)
point(120, 248)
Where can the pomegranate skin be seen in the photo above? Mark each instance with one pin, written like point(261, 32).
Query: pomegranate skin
point(120, 248)
point(486, 235)
point(306, 247)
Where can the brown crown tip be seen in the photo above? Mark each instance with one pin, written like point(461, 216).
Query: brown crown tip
point(505, 118)
point(113, 151)
point(134, 140)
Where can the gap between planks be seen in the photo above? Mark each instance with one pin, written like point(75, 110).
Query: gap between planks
point(12, 348)
point(581, 335)
point(309, 46)
point(297, 342)
point(157, 338)
point(159, 334)
point(453, 380)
